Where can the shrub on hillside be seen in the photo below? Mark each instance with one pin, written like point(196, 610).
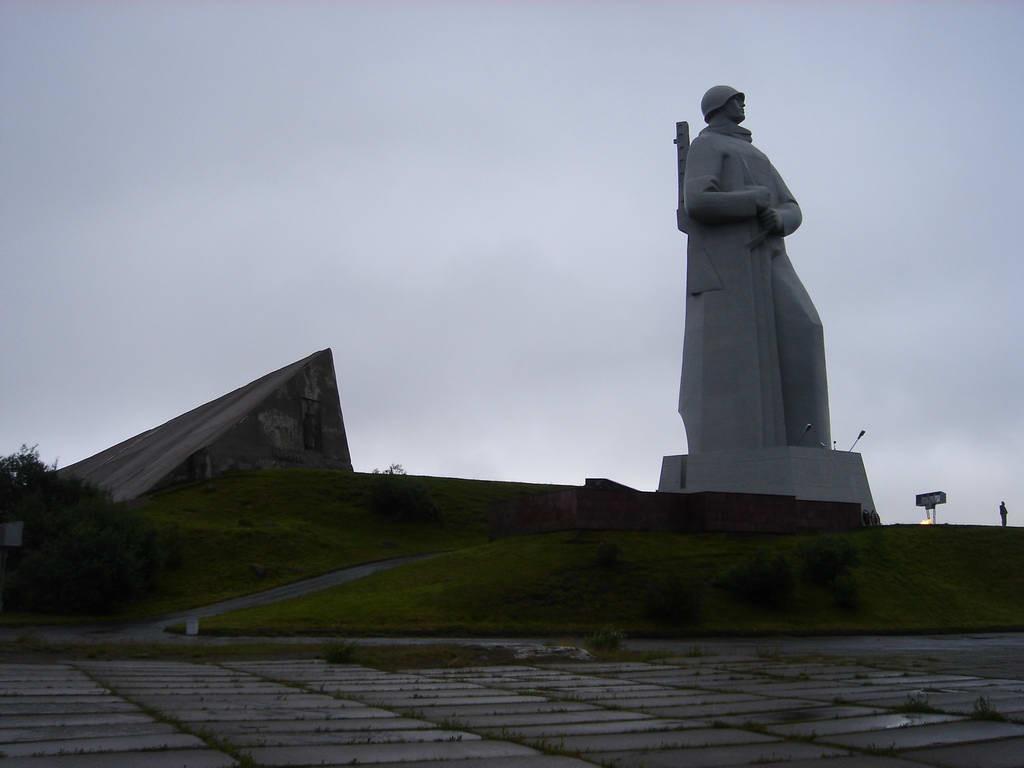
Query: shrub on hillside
point(402, 498)
point(846, 593)
point(607, 555)
point(825, 559)
point(606, 639)
point(762, 580)
point(82, 552)
point(343, 652)
point(674, 601)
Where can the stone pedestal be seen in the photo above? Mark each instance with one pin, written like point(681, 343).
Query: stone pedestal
point(808, 474)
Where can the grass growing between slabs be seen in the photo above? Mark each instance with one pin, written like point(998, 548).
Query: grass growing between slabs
point(909, 578)
point(251, 531)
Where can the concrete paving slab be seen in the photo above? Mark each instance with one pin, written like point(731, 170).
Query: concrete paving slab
point(699, 737)
point(799, 715)
point(297, 700)
point(825, 728)
point(454, 695)
point(10, 735)
point(1008, 753)
point(176, 758)
point(56, 706)
point(862, 693)
point(597, 685)
point(729, 708)
point(718, 757)
point(360, 688)
point(170, 689)
point(853, 761)
point(929, 735)
point(503, 669)
point(582, 729)
point(228, 728)
point(102, 744)
point(435, 712)
point(965, 703)
point(212, 715)
point(582, 716)
point(71, 698)
point(58, 688)
point(381, 753)
point(605, 694)
point(407, 702)
point(688, 698)
point(702, 660)
point(299, 738)
point(597, 667)
point(526, 761)
point(43, 721)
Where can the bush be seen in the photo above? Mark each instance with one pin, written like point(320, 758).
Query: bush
point(675, 602)
point(984, 709)
point(916, 703)
point(403, 499)
point(846, 593)
point(82, 552)
point(763, 580)
point(605, 639)
point(393, 469)
point(340, 653)
point(607, 555)
point(825, 559)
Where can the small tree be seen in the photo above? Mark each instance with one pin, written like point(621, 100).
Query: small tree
point(763, 580)
point(675, 601)
point(403, 499)
point(82, 552)
point(825, 559)
point(393, 469)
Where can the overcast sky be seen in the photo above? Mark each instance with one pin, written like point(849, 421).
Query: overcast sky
point(473, 205)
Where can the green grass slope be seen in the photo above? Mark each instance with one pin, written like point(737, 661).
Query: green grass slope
point(292, 524)
point(910, 578)
point(297, 523)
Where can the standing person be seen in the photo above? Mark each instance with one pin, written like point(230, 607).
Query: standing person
point(1002, 512)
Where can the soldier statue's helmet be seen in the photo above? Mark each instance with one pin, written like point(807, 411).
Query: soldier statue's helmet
point(716, 97)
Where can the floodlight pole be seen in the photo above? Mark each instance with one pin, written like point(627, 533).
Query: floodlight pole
point(854, 443)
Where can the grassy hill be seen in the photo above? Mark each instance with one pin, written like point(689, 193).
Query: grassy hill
point(250, 531)
point(910, 578)
point(292, 524)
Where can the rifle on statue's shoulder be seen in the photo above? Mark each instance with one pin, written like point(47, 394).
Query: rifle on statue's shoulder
point(682, 143)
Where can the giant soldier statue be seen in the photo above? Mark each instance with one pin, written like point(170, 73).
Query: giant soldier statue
point(753, 394)
point(753, 352)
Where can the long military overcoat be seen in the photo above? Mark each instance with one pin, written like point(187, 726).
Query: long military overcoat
point(753, 349)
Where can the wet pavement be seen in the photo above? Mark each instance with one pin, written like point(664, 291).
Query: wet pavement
point(703, 707)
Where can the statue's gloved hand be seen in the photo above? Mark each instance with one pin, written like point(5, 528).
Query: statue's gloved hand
point(771, 220)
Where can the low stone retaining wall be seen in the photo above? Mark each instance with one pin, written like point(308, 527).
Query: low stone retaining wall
point(605, 505)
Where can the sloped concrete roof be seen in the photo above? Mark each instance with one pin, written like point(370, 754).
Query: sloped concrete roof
point(132, 467)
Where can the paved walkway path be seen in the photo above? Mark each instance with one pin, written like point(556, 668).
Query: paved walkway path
point(149, 630)
point(694, 710)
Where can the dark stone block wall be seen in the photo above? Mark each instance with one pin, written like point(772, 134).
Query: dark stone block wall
point(606, 506)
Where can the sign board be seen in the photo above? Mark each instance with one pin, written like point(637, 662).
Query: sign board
point(10, 534)
point(929, 500)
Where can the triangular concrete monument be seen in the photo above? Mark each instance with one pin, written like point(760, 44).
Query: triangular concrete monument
point(288, 418)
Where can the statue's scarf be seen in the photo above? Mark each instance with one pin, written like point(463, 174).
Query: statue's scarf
point(727, 128)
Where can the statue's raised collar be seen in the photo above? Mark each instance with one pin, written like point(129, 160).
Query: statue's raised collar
point(726, 128)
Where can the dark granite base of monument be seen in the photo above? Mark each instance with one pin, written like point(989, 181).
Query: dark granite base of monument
point(604, 505)
point(808, 474)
